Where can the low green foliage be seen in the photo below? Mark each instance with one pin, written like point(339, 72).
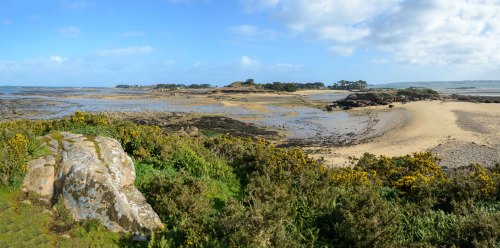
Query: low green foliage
point(223, 191)
point(30, 225)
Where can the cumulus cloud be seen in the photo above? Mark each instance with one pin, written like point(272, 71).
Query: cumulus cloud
point(29, 66)
point(124, 51)
point(342, 50)
point(443, 32)
point(255, 5)
point(57, 59)
point(380, 61)
point(247, 62)
point(250, 31)
point(70, 31)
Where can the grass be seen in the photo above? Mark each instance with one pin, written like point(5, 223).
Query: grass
point(28, 225)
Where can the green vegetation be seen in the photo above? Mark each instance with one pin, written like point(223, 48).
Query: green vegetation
point(224, 191)
point(24, 225)
point(248, 83)
point(182, 86)
point(292, 87)
point(349, 85)
point(278, 86)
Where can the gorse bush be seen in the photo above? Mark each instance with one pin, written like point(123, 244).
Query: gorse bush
point(224, 191)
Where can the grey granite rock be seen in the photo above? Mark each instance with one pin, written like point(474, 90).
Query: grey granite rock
point(95, 178)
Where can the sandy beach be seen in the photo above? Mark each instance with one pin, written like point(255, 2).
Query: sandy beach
point(470, 130)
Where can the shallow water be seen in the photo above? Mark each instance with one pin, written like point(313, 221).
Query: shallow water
point(300, 122)
point(473, 88)
point(326, 97)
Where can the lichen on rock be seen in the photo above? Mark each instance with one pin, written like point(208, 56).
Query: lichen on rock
point(95, 179)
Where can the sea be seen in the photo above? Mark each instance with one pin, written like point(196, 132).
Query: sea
point(472, 88)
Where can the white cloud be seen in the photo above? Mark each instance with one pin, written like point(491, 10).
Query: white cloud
point(251, 31)
point(57, 59)
point(27, 67)
point(125, 51)
point(245, 30)
point(380, 61)
point(247, 62)
point(441, 32)
point(70, 31)
point(255, 5)
point(342, 50)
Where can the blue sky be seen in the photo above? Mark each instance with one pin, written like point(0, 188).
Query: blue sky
point(107, 42)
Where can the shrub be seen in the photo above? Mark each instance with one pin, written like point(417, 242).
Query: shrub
point(227, 191)
point(182, 206)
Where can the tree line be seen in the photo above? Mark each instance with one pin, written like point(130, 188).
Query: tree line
point(276, 86)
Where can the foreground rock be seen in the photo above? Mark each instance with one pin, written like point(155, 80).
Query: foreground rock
point(95, 179)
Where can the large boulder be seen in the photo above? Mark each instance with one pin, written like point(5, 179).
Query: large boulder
point(40, 178)
point(95, 179)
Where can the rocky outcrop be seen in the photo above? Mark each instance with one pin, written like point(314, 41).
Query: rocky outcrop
point(95, 179)
point(383, 97)
point(477, 99)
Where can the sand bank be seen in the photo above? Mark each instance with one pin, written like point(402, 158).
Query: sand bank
point(316, 92)
point(432, 124)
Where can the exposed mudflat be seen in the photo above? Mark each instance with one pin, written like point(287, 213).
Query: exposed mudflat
point(30, 108)
point(173, 122)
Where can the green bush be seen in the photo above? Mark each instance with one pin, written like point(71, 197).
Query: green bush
point(224, 191)
point(183, 207)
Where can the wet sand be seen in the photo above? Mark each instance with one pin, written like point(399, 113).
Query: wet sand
point(434, 124)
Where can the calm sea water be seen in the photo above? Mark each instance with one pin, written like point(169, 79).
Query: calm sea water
point(474, 88)
point(19, 91)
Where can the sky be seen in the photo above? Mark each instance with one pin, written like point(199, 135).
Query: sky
point(109, 42)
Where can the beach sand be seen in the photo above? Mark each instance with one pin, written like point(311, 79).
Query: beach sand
point(455, 125)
